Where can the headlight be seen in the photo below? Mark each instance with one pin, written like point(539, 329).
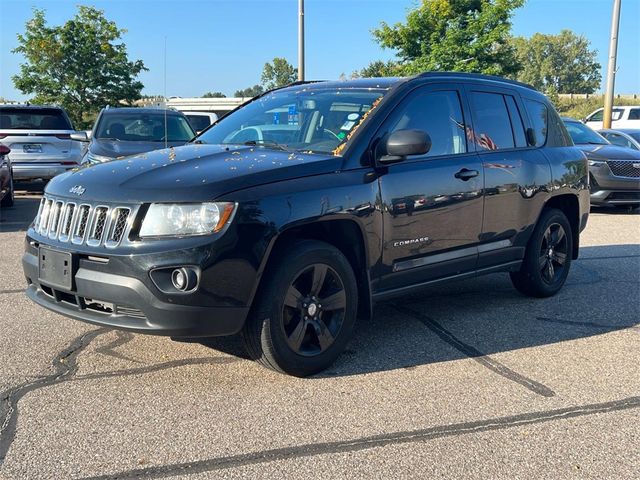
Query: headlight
point(93, 158)
point(177, 219)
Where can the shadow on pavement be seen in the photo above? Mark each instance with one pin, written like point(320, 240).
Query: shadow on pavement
point(486, 315)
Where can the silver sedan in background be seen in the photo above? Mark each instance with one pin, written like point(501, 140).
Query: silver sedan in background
point(623, 137)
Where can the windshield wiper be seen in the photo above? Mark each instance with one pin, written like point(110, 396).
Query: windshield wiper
point(264, 143)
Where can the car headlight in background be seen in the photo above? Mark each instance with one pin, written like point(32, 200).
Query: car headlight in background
point(177, 219)
point(93, 158)
point(596, 163)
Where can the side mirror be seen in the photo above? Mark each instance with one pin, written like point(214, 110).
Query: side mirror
point(79, 136)
point(4, 150)
point(531, 137)
point(402, 143)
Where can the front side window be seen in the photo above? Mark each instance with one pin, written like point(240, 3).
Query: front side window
point(313, 120)
point(144, 127)
point(492, 126)
point(438, 114)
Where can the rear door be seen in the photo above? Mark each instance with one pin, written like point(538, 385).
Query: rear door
point(36, 135)
point(516, 174)
point(432, 202)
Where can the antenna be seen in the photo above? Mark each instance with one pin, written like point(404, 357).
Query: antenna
point(165, 91)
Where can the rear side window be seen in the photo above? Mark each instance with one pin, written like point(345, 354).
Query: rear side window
point(492, 124)
point(198, 122)
point(34, 119)
point(540, 120)
point(440, 115)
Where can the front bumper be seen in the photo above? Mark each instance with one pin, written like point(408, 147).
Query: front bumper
point(127, 303)
point(608, 189)
point(45, 171)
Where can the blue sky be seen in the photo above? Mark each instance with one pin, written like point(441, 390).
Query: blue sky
point(223, 44)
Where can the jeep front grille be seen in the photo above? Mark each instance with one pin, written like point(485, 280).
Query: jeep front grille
point(624, 168)
point(83, 223)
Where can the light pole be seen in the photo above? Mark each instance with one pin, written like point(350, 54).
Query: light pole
point(300, 39)
point(611, 69)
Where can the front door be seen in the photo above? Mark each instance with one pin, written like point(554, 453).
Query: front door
point(432, 203)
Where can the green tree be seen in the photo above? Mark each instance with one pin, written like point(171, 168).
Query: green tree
point(378, 68)
point(454, 35)
point(278, 74)
point(561, 63)
point(214, 95)
point(249, 91)
point(78, 65)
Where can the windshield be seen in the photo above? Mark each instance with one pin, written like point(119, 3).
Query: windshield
point(582, 134)
point(34, 119)
point(144, 127)
point(635, 136)
point(312, 120)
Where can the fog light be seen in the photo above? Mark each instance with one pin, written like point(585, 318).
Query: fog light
point(184, 279)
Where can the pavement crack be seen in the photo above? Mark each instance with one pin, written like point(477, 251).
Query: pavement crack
point(64, 364)
point(475, 354)
point(375, 441)
point(15, 290)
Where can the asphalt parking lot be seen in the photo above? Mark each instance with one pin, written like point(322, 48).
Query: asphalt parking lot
point(464, 380)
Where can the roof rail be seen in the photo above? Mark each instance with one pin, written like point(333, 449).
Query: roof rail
point(480, 76)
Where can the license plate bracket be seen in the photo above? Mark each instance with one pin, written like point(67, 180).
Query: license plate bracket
point(55, 268)
point(32, 148)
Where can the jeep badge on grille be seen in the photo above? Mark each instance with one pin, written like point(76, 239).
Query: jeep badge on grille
point(77, 190)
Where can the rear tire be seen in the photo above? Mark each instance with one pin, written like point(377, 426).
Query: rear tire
point(305, 311)
point(548, 257)
point(9, 197)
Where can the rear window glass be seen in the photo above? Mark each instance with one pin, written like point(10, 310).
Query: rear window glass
point(144, 127)
point(33, 119)
point(539, 117)
point(198, 122)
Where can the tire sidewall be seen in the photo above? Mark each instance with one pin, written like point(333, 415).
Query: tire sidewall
point(273, 337)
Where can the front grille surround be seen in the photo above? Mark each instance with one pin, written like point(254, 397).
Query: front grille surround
point(624, 168)
point(82, 223)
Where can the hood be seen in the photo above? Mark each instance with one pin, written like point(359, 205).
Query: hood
point(122, 148)
point(608, 152)
point(188, 173)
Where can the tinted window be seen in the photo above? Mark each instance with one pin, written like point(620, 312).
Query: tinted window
point(616, 114)
point(34, 119)
point(634, 114)
point(539, 118)
point(198, 122)
point(492, 127)
point(596, 117)
point(618, 140)
point(440, 115)
point(516, 122)
point(144, 127)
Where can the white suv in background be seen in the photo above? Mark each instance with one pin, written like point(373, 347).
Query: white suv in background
point(200, 120)
point(622, 116)
point(39, 137)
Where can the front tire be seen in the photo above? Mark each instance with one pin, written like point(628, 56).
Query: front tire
point(548, 257)
point(9, 197)
point(305, 312)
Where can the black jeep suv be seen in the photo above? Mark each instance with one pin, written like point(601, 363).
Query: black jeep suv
point(295, 213)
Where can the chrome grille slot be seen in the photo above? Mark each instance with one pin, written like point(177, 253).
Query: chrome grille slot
point(54, 225)
point(67, 221)
point(94, 225)
point(118, 226)
point(98, 223)
point(44, 217)
point(81, 224)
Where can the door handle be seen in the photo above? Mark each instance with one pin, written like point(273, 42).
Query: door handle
point(465, 174)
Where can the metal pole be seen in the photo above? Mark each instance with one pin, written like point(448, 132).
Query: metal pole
point(300, 39)
point(611, 69)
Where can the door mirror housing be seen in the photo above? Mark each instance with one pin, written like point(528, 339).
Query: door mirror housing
point(80, 136)
point(531, 137)
point(400, 144)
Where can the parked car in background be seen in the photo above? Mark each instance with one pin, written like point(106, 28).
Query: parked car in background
point(200, 120)
point(622, 116)
point(379, 187)
point(40, 141)
point(624, 137)
point(615, 170)
point(6, 178)
point(120, 132)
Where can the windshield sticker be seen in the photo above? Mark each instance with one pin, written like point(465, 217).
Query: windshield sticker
point(338, 150)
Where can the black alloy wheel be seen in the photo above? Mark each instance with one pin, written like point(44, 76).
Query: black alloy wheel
point(553, 253)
